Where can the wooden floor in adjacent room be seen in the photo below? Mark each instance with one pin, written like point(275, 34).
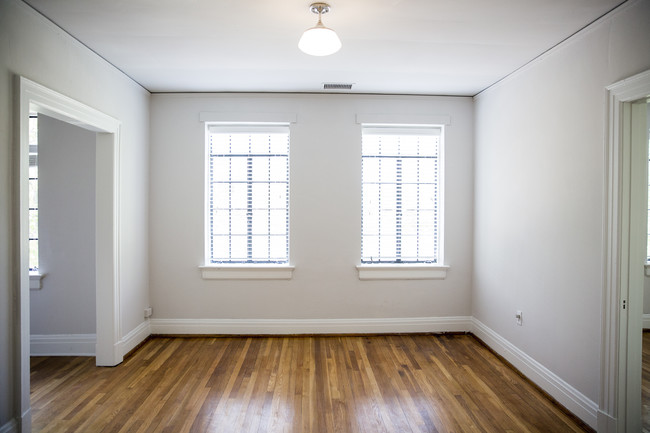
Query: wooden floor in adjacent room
point(645, 382)
point(401, 383)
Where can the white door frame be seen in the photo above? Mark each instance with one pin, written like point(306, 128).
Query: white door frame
point(34, 97)
point(622, 296)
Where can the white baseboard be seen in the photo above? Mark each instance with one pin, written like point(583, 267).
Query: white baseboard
point(606, 423)
point(565, 394)
point(63, 345)
point(646, 321)
point(10, 427)
point(310, 326)
point(135, 337)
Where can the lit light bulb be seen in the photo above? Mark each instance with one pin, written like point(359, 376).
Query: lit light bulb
point(319, 40)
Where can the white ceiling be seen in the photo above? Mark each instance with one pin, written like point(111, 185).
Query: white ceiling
point(433, 47)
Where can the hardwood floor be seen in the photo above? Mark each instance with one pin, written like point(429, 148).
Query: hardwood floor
point(645, 382)
point(442, 383)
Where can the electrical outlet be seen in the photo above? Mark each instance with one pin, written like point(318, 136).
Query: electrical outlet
point(518, 316)
point(148, 312)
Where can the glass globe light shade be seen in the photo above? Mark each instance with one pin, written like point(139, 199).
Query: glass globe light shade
point(319, 41)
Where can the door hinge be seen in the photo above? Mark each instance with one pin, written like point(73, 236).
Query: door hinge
point(624, 304)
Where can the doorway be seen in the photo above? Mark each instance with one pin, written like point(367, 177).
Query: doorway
point(645, 358)
point(625, 255)
point(34, 98)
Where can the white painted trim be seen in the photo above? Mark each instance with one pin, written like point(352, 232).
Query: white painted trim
point(107, 247)
point(646, 321)
point(565, 394)
point(63, 345)
point(646, 269)
point(35, 281)
point(35, 97)
point(402, 272)
point(615, 363)
point(246, 272)
point(231, 117)
point(310, 326)
point(135, 337)
point(25, 424)
point(403, 119)
point(10, 427)
point(606, 423)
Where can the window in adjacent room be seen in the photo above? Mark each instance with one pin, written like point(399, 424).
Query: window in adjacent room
point(648, 244)
point(402, 194)
point(247, 219)
point(33, 194)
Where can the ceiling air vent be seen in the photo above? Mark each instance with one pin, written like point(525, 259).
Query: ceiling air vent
point(337, 86)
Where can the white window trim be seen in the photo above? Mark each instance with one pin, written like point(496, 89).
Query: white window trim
point(402, 272)
point(647, 269)
point(230, 128)
point(35, 280)
point(242, 271)
point(246, 118)
point(247, 272)
point(403, 119)
point(410, 271)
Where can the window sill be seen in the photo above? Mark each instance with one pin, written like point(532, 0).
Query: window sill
point(35, 280)
point(402, 272)
point(247, 272)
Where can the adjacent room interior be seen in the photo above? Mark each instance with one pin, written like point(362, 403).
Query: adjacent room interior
point(439, 224)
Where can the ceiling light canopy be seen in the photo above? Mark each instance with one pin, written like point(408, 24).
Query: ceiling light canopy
point(319, 40)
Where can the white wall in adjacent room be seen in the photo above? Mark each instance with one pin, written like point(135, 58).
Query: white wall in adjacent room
point(65, 304)
point(325, 213)
point(539, 177)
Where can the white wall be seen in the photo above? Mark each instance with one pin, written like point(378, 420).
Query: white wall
point(325, 213)
point(33, 47)
point(539, 173)
point(65, 304)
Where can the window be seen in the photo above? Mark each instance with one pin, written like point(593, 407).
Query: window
point(648, 244)
point(33, 194)
point(402, 195)
point(247, 194)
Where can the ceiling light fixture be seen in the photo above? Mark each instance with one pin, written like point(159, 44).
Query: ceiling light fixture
point(319, 40)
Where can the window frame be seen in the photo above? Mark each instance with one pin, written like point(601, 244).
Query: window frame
point(409, 271)
point(647, 262)
point(35, 275)
point(33, 206)
point(242, 270)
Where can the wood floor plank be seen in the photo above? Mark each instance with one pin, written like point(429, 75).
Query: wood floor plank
point(645, 381)
point(395, 383)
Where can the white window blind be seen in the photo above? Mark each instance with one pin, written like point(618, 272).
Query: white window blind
point(401, 187)
point(648, 237)
point(33, 194)
point(248, 194)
